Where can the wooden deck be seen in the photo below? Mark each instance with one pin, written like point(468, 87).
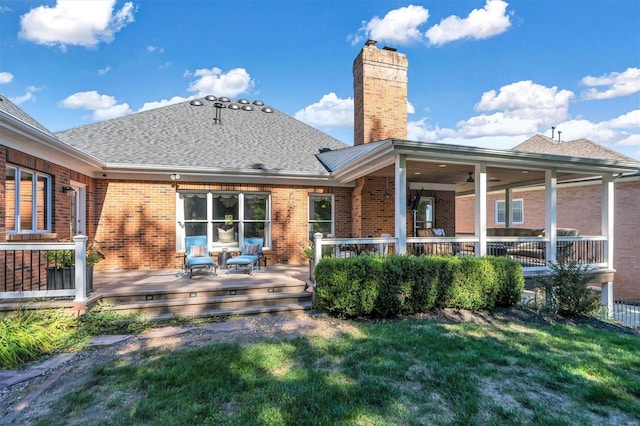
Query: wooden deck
point(163, 294)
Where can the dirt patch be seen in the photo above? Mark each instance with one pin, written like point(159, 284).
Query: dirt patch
point(25, 402)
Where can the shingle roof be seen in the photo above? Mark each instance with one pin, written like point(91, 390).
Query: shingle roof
point(14, 111)
point(185, 136)
point(583, 148)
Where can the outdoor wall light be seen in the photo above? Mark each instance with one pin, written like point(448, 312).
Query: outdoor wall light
point(175, 176)
point(66, 189)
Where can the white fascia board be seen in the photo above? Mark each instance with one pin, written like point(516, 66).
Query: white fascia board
point(220, 176)
point(512, 159)
point(375, 160)
point(31, 141)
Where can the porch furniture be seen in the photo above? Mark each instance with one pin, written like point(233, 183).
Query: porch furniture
point(531, 249)
point(250, 255)
point(444, 248)
point(223, 256)
point(197, 255)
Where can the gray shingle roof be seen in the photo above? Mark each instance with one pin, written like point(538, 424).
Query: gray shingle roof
point(185, 136)
point(583, 148)
point(13, 110)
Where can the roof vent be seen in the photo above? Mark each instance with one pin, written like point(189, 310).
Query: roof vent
point(217, 119)
point(258, 103)
point(233, 106)
point(390, 49)
point(370, 42)
point(211, 98)
point(224, 99)
point(243, 101)
point(247, 107)
point(196, 102)
point(324, 150)
point(267, 109)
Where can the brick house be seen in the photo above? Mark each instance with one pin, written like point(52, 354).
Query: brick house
point(238, 168)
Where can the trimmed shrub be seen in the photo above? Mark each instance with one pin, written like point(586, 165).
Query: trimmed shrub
point(371, 286)
point(348, 288)
point(509, 278)
point(472, 286)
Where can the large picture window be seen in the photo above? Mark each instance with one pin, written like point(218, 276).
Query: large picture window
point(226, 218)
point(27, 201)
point(320, 214)
point(517, 210)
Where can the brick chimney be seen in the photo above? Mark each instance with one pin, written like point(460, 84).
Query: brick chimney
point(380, 94)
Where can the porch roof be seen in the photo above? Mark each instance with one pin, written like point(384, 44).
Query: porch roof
point(444, 164)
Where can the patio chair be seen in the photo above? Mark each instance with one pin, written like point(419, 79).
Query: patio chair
point(196, 254)
point(250, 255)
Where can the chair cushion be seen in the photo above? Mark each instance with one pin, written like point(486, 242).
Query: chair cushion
point(225, 236)
point(251, 248)
point(199, 261)
point(243, 260)
point(197, 251)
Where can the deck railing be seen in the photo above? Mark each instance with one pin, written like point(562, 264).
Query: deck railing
point(26, 271)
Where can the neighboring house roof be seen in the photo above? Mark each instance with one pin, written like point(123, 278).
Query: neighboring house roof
point(583, 148)
point(184, 137)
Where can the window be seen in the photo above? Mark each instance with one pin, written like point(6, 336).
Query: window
point(517, 211)
point(320, 215)
point(27, 201)
point(226, 218)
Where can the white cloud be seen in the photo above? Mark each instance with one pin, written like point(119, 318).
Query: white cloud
point(630, 140)
point(214, 82)
point(529, 101)
point(161, 103)
point(6, 77)
point(492, 20)
point(75, 23)
point(103, 106)
point(421, 130)
point(630, 120)
point(104, 70)
point(410, 108)
point(328, 113)
point(619, 84)
point(152, 49)
point(399, 26)
point(28, 96)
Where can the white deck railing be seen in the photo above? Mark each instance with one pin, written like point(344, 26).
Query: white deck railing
point(23, 267)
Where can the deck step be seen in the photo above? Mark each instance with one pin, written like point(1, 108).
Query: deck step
point(217, 305)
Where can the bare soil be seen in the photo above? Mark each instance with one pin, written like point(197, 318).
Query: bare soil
point(26, 402)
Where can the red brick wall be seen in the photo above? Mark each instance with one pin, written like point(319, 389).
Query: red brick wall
point(136, 224)
point(380, 95)
point(627, 240)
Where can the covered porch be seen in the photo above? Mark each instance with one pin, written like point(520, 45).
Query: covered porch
point(407, 170)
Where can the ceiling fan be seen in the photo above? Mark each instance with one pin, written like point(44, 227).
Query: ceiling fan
point(470, 179)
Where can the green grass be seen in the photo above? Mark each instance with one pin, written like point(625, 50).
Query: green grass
point(407, 372)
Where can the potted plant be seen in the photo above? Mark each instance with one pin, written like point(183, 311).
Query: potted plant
point(61, 271)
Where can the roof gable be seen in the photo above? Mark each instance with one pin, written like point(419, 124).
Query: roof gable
point(9, 108)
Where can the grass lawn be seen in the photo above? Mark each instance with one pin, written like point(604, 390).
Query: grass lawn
point(409, 372)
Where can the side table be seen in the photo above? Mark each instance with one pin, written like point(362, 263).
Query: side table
point(223, 256)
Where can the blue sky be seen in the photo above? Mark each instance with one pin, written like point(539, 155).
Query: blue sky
point(482, 73)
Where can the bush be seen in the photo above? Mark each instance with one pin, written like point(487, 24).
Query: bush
point(371, 286)
point(349, 287)
point(509, 278)
point(473, 285)
point(566, 289)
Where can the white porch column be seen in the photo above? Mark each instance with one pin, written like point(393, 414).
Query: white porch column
point(81, 267)
point(481, 208)
point(551, 213)
point(508, 209)
point(608, 210)
point(401, 204)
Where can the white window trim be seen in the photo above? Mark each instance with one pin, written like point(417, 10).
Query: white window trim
point(515, 200)
point(34, 212)
point(333, 211)
point(181, 221)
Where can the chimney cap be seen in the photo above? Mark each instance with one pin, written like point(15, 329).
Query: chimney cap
point(390, 49)
point(370, 42)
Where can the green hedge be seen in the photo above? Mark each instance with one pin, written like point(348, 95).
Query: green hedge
point(373, 286)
